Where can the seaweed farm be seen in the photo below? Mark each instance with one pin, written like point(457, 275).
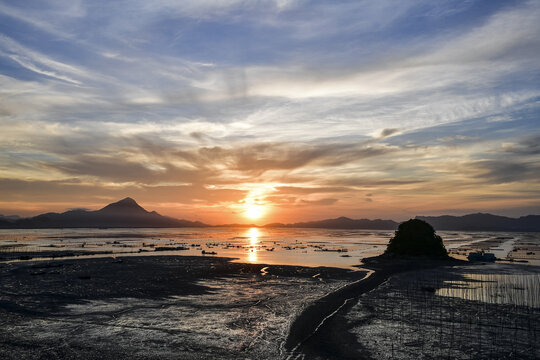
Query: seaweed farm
point(472, 312)
point(522, 289)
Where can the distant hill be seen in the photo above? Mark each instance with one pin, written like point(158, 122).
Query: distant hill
point(483, 222)
point(9, 218)
point(5, 223)
point(342, 223)
point(124, 213)
point(127, 213)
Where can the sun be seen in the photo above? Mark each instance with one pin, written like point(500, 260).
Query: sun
point(255, 205)
point(253, 211)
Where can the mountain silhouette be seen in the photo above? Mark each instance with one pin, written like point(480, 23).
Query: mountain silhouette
point(5, 223)
point(127, 205)
point(124, 213)
point(127, 213)
point(483, 222)
point(342, 223)
point(9, 218)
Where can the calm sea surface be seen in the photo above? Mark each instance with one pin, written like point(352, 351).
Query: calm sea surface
point(307, 247)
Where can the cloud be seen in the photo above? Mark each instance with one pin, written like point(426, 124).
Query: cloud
point(113, 169)
point(141, 160)
point(316, 101)
point(297, 190)
point(387, 132)
point(398, 90)
point(68, 192)
point(370, 181)
point(455, 138)
point(515, 29)
point(502, 171)
point(39, 17)
point(320, 202)
point(529, 146)
point(39, 62)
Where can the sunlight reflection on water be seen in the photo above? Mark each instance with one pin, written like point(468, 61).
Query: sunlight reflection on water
point(286, 246)
point(253, 235)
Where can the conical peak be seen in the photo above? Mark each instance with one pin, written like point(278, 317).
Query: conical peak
point(127, 201)
point(127, 204)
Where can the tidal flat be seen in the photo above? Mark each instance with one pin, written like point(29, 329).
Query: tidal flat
point(478, 311)
point(165, 307)
point(109, 294)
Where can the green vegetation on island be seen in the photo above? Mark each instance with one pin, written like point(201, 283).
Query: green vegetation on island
point(417, 238)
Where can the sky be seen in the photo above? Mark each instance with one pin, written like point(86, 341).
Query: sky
point(285, 110)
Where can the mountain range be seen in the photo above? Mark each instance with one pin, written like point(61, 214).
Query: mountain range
point(483, 222)
point(127, 213)
point(124, 213)
point(342, 223)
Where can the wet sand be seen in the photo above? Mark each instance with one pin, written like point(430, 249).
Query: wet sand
point(194, 307)
point(463, 312)
point(321, 331)
point(432, 310)
point(155, 307)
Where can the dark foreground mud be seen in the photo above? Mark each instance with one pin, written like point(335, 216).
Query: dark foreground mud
point(469, 312)
point(426, 310)
point(181, 307)
point(321, 331)
point(165, 307)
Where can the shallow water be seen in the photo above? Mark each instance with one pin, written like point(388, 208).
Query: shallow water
point(521, 288)
point(306, 247)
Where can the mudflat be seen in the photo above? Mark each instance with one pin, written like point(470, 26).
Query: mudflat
point(187, 307)
point(193, 307)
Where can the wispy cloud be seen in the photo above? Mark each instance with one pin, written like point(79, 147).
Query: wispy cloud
point(316, 103)
point(38, 62)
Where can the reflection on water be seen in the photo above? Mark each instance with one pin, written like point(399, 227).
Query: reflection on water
point(514, 289)
point(286, 246)
point(253, 235)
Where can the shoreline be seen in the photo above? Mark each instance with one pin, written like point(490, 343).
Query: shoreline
point(343, 249)
point(285, 227)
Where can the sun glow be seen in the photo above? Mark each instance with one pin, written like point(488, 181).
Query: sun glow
point(255, 205)
point(254, 211)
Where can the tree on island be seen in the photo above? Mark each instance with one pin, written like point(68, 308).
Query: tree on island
point(416, 237)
